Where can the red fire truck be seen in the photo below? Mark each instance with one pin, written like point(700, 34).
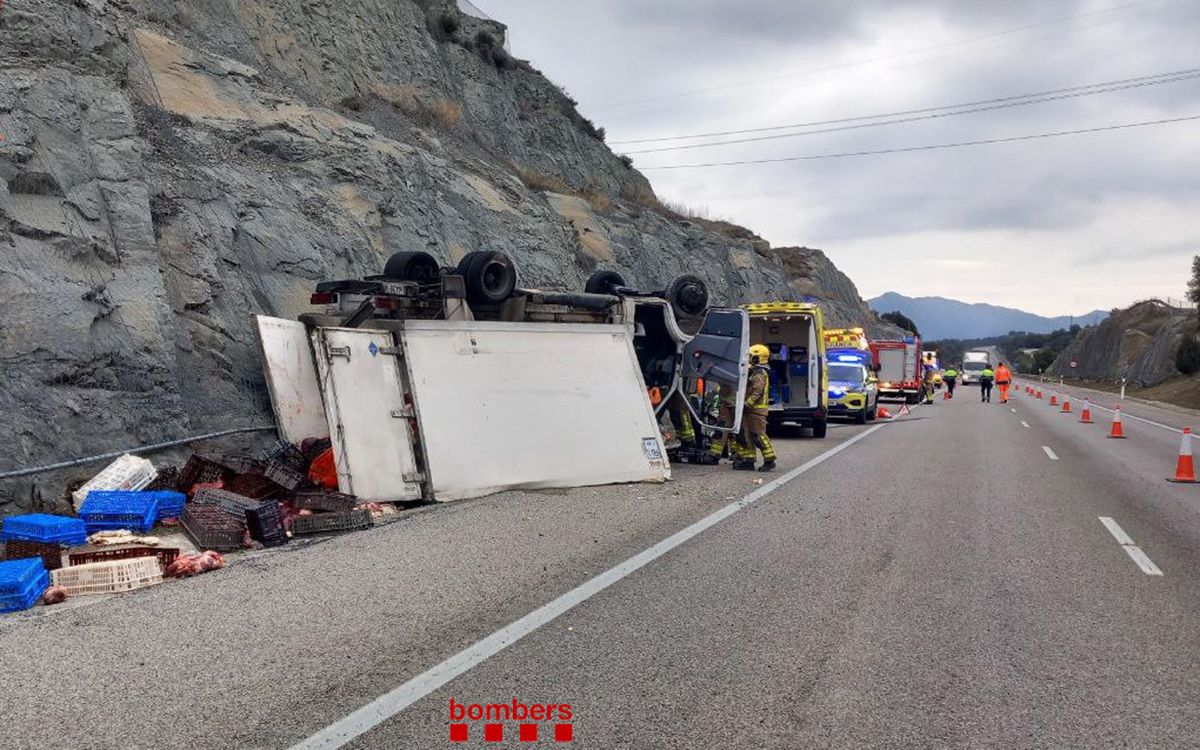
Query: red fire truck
point(898, 364)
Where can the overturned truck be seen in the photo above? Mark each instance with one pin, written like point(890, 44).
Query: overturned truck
point(443, 383)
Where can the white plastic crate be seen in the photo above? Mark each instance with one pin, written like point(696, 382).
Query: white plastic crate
point(126, 473)
point(109, 577)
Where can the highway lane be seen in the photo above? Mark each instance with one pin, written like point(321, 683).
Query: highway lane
point(281, 643)
point(942, 583)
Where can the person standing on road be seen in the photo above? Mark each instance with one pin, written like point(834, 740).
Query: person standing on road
point(950, 378)
point(1004, 380)
point(726, 410)
point(927, 379)
point(986, 378)
point(754, 415)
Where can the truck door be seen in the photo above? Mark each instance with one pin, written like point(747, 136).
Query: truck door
point(717, 355)
point(291, 378)
point(367, 413)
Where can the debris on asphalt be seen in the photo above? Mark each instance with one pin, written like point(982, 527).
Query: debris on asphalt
point(22, 583)
point(221, 502)
point(120, 536)
point(109, 577)
point(126, 473)
point(193, 565)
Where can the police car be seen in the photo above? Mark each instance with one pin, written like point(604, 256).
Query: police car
point(853, 388)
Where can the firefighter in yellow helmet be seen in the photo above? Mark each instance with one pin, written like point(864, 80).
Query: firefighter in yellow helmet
point(754, 416)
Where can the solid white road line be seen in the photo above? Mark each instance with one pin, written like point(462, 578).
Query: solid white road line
point(1025, 424)
point(1049, 453)
point(1135, 552)
point(388, 705)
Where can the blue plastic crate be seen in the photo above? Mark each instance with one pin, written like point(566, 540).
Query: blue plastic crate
point(15, 575)
point(119, 509)
point(42, 527)
point(170, 504)
point(28, 596)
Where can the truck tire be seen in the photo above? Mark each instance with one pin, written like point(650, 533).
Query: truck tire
point(490, 277)
point(911, 399)
point(820, 428)
point(603, 282)
point(688, 296)
point(412, 266)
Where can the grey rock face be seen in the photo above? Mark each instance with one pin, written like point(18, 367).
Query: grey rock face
point(1137, 344)
point(171, 167)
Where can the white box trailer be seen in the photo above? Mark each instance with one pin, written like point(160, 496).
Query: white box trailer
point(457, 409)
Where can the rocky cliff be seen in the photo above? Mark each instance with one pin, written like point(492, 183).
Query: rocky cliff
point(170, 167)
point(1137, 343)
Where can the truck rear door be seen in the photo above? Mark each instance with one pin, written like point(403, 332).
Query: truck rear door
point(718, 354)
point(291, 378)
point(365, 405)
point(891, 365)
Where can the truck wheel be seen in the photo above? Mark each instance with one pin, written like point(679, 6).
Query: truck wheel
point(911, 399)
point(688, 296)
point(603, 282)
point(820, 428)
point(412, 266)
point(490, 277)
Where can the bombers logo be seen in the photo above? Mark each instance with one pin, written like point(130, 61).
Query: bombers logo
point(496, 716)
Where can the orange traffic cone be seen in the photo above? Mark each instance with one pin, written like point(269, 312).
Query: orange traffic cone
point(1054, 399)
point(1118, 431)
point(945, 395)
point(1039, 394)
point(883, 413)
point(1066, 406)
point(1185, 472)
point(1086, 417)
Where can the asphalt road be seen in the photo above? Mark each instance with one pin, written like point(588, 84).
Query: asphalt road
point(944, 581)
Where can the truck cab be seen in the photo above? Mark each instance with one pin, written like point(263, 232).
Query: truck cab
point(973, 364)
point(794, 333)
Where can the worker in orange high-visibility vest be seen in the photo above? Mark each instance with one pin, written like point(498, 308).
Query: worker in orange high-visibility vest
point(1003, 381)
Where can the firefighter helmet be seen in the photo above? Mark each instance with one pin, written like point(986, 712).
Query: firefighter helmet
point(759, 354)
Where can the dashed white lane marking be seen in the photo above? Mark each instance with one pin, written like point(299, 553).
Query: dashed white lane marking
point(1025, 424)
point(391, 703)
point(1135, 552)
point(1014, 411)
point(1050, 453)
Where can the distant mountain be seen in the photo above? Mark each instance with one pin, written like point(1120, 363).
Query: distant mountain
point(941, 318)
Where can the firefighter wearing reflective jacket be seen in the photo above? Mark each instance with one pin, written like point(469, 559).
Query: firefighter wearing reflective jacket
point(684, 430)
point(726, 411)
point(754, 415)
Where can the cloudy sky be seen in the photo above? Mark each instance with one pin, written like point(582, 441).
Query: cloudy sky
point(1056, 225)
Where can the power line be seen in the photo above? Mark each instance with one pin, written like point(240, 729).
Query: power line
point(882, 58)
point(931, 147)
point(859, 118)
point(934, 116)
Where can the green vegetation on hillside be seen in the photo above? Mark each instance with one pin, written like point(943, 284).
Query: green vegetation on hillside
point(900, 320)
point(1030, 352)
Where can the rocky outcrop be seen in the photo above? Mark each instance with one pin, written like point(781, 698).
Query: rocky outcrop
point(813, 276)
point(171, 167)
point(1137, 343)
